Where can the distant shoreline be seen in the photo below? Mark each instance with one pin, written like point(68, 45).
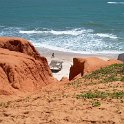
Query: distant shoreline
point(69, 55)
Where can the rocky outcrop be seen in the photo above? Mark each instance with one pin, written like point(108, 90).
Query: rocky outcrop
point(21, 67)
point(19, 45)
point(83, 66)
point(121, 57)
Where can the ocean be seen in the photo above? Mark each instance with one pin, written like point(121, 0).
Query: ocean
point(79, 26)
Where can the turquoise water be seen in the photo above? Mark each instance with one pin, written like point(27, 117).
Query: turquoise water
point(84, 26)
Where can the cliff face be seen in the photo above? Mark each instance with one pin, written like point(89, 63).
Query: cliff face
point(18, 45)
point(83, 66)
point(21, 66)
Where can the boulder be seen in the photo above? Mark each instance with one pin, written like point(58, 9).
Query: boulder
point(121, 57)
point(21, 67)
point(83, 66)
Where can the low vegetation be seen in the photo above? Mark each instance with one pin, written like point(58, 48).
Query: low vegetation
point(102, 95)
point(111, 73)
point(110, 89)
point(108, 74)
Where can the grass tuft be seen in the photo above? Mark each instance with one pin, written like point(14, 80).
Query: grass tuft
point(102, 95)
point(96, 104)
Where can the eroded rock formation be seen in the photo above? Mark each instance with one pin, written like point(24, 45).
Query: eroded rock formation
point(18, 45)
point(21, 67)
point(83, 66)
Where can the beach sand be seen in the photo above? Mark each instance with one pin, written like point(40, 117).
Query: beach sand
point(67, 59)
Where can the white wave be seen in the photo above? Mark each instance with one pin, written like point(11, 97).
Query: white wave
point(79, 40)
point(30, 32)
point(107, 35)
point(39, 45)
point(73, 32)
point(69, 32)
point(115, 3)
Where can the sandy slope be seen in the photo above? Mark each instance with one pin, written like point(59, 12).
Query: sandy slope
point(57, 104)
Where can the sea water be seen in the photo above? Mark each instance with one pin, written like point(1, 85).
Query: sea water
point(82, 26)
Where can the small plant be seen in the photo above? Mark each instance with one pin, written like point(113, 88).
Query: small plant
point(122, 79)
point(4, 104)
point(117, 95)
point(96, 104)
point(27, 99)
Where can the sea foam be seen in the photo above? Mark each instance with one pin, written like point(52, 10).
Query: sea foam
point(74, 40)
point(107, 35)
point(116, 3)
point(74, 32)
point(77, 40)
point(39, 45)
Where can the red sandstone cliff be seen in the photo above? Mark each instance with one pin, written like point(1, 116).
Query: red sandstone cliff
point(21, 66)
point(82, 66)
point(19, 45)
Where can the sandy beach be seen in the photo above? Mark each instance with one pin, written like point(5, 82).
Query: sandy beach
point(67, 59)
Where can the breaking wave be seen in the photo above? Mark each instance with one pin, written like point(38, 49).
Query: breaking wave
point(73, 32)
point(116, 3)
point(78, 40)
